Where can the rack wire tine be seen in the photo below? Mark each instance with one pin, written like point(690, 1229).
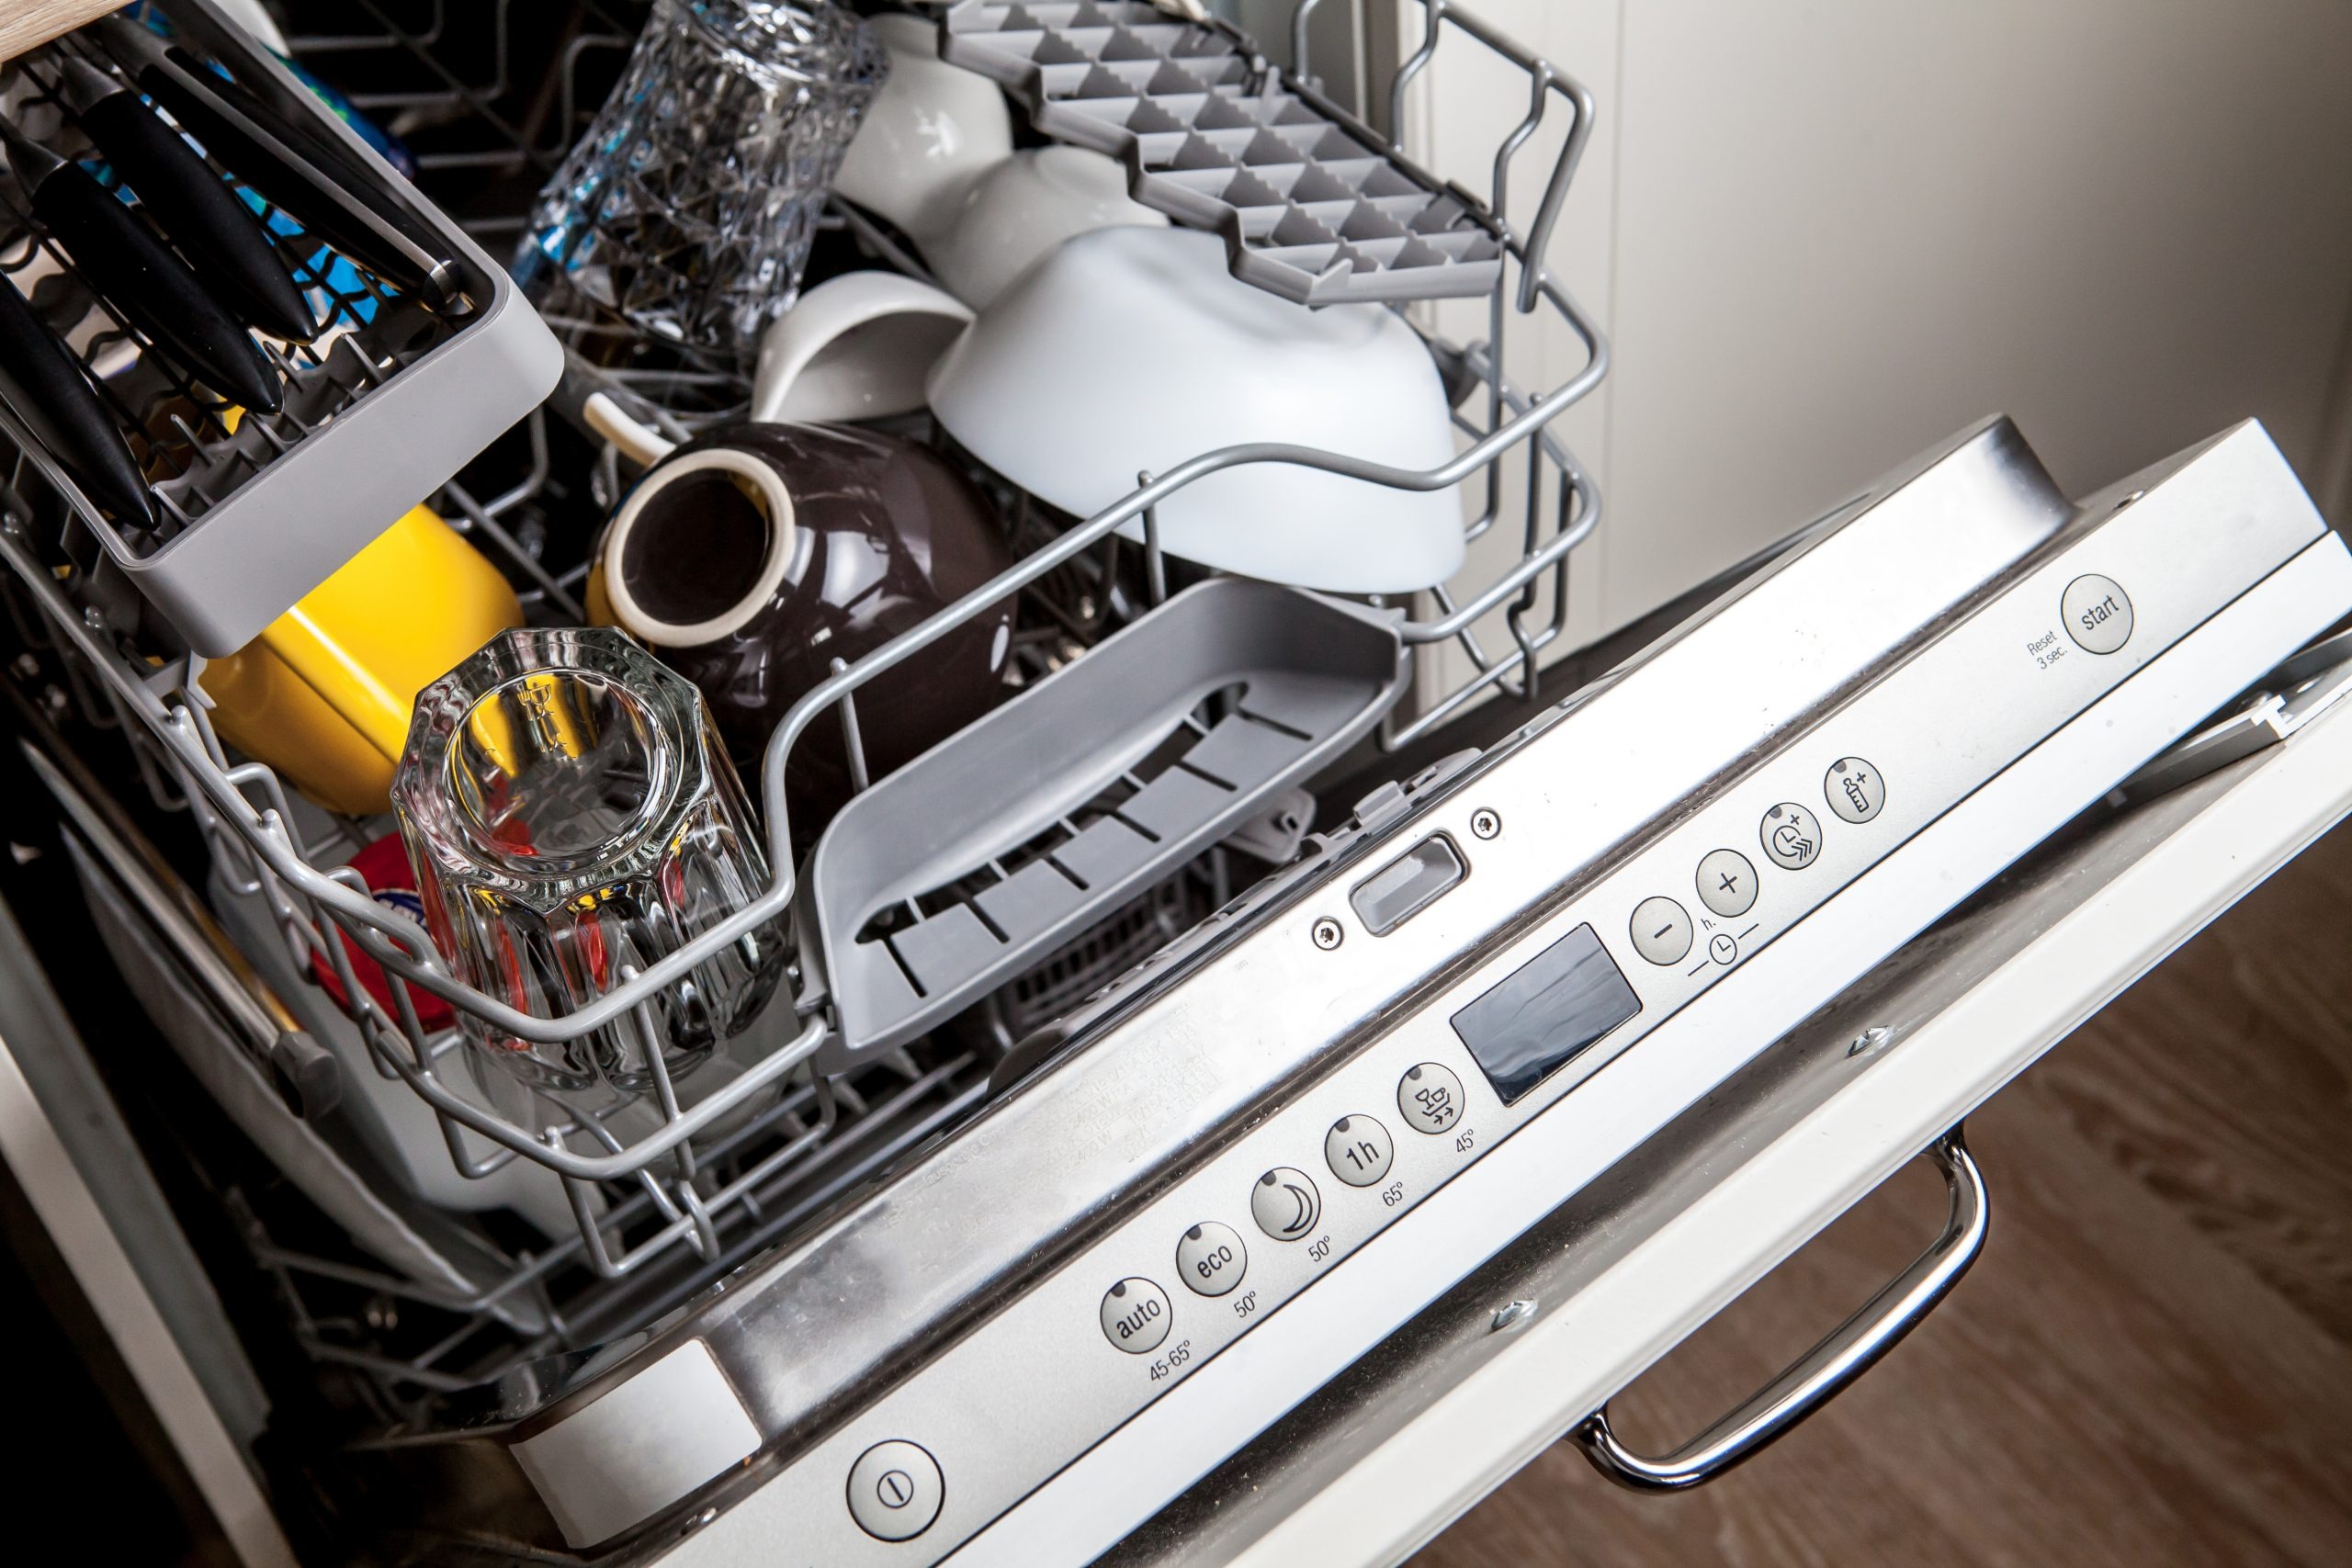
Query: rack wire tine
point(851, 739)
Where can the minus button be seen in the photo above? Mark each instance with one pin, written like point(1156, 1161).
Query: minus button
point(1660, 930)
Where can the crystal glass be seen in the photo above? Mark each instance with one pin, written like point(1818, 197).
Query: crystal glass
point(689, 206)
point(568, 813)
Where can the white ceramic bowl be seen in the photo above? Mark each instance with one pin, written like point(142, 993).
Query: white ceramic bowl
point(1023, 208)
point(929, 134)
point(1130, 349)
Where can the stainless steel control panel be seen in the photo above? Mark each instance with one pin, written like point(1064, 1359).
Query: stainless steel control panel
point(1260, 1228)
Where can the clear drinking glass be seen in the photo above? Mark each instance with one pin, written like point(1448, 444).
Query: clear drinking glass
point(570, 812)
point(689, 206)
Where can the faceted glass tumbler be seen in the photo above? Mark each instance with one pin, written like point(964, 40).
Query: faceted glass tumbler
point(688, 208)
point(570, 813)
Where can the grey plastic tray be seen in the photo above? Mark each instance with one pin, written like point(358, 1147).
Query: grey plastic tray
point(388, 414)
point(1310, 209)
point(952, 875)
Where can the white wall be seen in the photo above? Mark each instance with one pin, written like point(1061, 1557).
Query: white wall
point(1824, 234)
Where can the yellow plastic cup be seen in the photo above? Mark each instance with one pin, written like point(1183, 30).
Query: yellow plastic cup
point(323, 695)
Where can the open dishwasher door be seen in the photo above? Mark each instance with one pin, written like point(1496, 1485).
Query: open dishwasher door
point(1299, 1238)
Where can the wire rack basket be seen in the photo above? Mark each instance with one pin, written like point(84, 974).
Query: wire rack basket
point(665, 1197)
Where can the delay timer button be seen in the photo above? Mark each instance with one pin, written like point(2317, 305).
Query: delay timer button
point(895, 1490)
point(1726, 882)
point(1660, 930)
point(2098, 613)
point(1135, 1315)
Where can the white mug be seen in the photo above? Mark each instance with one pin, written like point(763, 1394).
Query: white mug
point(856, 347)
point(930, 132)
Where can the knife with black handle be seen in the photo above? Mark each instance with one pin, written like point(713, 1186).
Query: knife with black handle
point(220, 235)
point(53, 397)
point(137, 275)
point(316, 185)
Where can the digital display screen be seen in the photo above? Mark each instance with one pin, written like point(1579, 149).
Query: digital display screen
point(1548, 1009)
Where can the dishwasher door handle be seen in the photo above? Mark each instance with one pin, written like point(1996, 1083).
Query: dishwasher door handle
point(1850, 1350)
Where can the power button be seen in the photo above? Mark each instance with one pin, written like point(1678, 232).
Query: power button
point(895, 1491)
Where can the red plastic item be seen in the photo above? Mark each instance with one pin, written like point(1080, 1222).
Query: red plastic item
point(384, 865)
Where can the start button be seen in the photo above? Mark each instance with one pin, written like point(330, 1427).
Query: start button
point(2098, 613)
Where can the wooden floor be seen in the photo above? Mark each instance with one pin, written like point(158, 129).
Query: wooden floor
point(2152, 1364)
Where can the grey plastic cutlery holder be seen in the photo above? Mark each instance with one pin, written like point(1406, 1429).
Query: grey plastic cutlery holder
point(389, 405)
point(952, 875)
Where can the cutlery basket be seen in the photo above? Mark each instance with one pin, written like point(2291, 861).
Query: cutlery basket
point(255, 509)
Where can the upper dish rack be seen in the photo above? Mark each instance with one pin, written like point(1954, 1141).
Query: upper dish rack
point(640, 1180)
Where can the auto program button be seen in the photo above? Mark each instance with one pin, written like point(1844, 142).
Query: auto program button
point(1135, 1315)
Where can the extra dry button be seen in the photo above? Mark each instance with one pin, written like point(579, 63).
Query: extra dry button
point(1661, 931)
point(1358, 1150)
point(1792, 836)
point(895, 1491)
point(1135, 1315)
point(1853, 789)
point(1285, 1204)
point(2098, 613)
point(1726, 882)
point(1430, 1097)
point(1210, 1259)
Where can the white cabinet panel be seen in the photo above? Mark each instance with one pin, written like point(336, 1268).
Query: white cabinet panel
point(1824, 234)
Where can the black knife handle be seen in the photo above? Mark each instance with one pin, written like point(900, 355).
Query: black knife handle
point(137, 275)
point(318, 192)
point(221, 237)
point(54, 400)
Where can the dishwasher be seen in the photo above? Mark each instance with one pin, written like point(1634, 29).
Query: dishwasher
point(1226, 1094)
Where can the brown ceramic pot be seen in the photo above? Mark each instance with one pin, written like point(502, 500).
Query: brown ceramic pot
point(753, 557)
